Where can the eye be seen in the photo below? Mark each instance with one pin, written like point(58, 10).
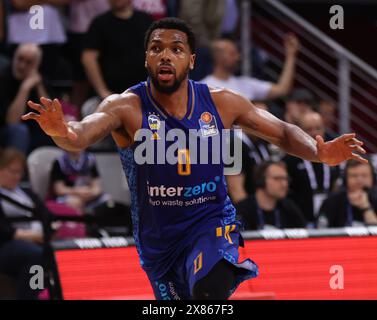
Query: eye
point(155, 48)
point(177, 50)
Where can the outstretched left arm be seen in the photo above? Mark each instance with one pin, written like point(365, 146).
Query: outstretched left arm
point(235, 109)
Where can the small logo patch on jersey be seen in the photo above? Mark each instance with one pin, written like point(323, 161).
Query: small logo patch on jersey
point(208, 125)
point(154, 123)
point(206, 117)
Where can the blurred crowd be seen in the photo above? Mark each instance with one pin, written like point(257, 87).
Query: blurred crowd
point(89, 49)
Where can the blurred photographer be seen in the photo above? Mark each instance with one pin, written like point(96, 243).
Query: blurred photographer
point(270, 208)
point(356, 203)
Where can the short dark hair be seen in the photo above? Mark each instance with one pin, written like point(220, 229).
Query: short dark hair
point(352, 163)
point(170, 24)
point(9, 156)
point(260, 172)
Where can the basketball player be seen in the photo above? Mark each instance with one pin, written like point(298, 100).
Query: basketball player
point(185, 229)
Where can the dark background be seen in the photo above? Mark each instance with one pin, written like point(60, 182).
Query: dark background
point(360, 23)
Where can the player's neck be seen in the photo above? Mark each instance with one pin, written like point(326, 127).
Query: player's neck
point(174, 104)
point(220, 73)
point(265, 202)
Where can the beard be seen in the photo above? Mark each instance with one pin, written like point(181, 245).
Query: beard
point(168, 89)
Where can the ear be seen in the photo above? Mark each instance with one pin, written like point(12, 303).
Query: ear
point(192, 61)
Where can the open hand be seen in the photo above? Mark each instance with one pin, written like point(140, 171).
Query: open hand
point(340, 149)
point(50, 118)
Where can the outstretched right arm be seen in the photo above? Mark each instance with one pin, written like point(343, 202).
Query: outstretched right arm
point(75, 136)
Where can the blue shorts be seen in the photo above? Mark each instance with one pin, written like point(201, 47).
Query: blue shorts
point(197, 260)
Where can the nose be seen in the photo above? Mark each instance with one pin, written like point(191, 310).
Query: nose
point(165, 57)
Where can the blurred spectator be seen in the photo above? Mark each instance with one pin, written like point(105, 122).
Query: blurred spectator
point(2, 23)
point(75, 181)
point(230, 20)
point(20, 83)
point(157, 9)
point(270, 208)
point(313, 124)
point(4, 61)
point(114, 51)
point(50, 36)
point(81, 14)
point(206, 18)
point(226, 58)
point(255, 151)
point(20, 242)
point(374, 161)
point(327, 110)
point(172, 7)
point(356, 204)
point(298, 103)
point(311, 182)
point(71, 111)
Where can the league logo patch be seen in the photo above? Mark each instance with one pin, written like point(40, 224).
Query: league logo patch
point(154, 123)
point(208, 125)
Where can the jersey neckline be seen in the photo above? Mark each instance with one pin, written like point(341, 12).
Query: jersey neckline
point(190, 102)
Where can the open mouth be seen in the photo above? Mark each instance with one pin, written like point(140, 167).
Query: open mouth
point(165, 73)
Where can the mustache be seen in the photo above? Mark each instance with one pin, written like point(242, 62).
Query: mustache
point(166, 65)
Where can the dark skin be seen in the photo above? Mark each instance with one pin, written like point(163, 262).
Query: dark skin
point(168, 58)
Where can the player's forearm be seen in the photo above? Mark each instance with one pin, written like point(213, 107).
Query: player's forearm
point(90, 130)
point(70, 145)
point(298, 143)
point(83, 133)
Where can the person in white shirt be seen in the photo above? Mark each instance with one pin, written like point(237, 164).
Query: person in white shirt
point(25, 26)
point(226, 57)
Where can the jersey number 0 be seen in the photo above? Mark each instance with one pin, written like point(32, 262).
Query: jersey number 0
point(184, 165)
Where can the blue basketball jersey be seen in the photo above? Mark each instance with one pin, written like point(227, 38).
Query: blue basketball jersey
point(172, 203)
